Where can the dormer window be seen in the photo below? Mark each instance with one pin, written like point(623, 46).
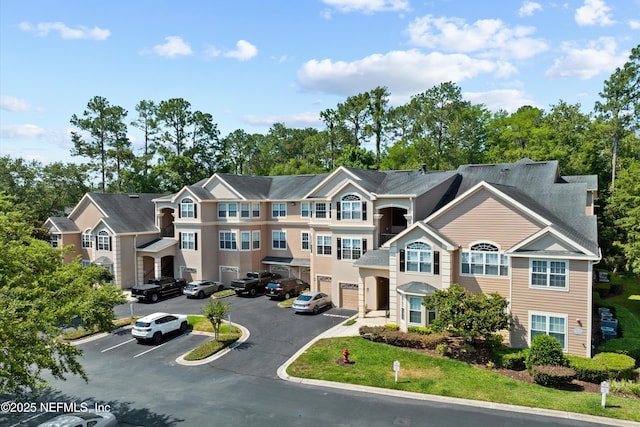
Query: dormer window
point(103, 241)
point(187, 208)
point(351, 207)
point(54, 240)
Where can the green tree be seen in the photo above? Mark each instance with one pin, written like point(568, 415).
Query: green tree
point(620, 104)
point(354, 115)
point(239, 147)
point(467, 315)
point(378, 111)
point(102, 137)
point(624, 207)
point(147, 122)
point(216, 311)
point(357, 157)
point(39, 294)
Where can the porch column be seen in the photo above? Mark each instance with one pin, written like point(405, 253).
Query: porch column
point(157, 266)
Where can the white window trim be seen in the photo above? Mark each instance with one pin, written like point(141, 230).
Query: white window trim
point(548, 286)
point(189, 242)
point(101, 241)
point(547, 315)
point(273, 210)
point(342, 251)
point(406, 258)
point(323, 236)
point(235, 239)
point(273, 240)
point(409, 311)
point(326, 211)
point(308, 206)
point(255, 233)
point(224, 208)
point(87, 240)
point(309, 241)
point(187, 213)
point(500, 254)
point(247, 210)
point(346, 200)
point(245, 233)
point(255, 209)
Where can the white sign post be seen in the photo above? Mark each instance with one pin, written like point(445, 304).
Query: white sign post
point(396, 368)
point(604, 389)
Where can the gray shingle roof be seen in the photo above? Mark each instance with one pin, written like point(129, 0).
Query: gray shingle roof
point(374, 258)
point(127, 214)
point(63, 224)
point(417, 288)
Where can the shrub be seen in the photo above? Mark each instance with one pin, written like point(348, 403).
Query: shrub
point(616, 289)
point(625, 386)
point(588, 369)
point(442, 348)
point(545, 350)
point(431, 341)
point(624, 345)
point(392, 326)
point(552, 375)
point(515, 361)
point(396, 338)
point(419, 330)
point(618, 366)
point(495, 340)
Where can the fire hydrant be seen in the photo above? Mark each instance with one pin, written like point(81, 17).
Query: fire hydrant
point(345, 353)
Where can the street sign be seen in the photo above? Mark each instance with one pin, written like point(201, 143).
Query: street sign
point(396, 368)
point(604, 389)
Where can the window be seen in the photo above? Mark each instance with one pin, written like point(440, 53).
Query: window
point(228, 240)
point(54, 240)
point(279, 239)
point(227, 210)
point(188, 241)
point(415, 310)
point(323, 245)
point(484, 259)
point(554, 325)
point(187, 209)
point(305, 210)
point(549, 274)
point(278, 210)
point(255, 210)
point(418, 257)
point(351, 248)
point(87, 241)
point(350, 208)
point(104, 241)
point(321, 210)
point(245, 240)
point(244, 210)
point(255, 235)
point(306, 240)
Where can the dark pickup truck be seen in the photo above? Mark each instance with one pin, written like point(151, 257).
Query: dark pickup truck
point(254, 282)
point(158, 288)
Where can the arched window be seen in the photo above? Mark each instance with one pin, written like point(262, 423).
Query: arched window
point(484, 259)
point(187, 208)
point(352, 208)
point(103, 241)
point(418, 257)
point(87, 240)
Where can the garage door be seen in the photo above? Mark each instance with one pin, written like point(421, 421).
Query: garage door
point(324, 285)
point(349, 295)
point(227, 274)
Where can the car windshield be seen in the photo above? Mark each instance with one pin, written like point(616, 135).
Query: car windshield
point(142, 324)
point(273, 285)
point(191, 285)
point(304, 298)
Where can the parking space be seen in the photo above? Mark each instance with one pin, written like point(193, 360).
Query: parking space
point(121, 344)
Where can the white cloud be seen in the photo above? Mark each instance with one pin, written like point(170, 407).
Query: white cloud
point(501, 99)
point(597, 57)
point(368, 6)
point(403, 72)
point(490, 37)
point(634, 24)
point(22, 131)
point(244, 51)
point(67, 33)
point(528, 8)
point(11, 103)
point(305, 119)
point(173, 47)
point(594, 12)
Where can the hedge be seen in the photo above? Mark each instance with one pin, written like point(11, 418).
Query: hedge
point(604, 366)
point(552, 375)
point(402, 339)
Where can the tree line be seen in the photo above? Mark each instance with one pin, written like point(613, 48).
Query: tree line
point(436, 128)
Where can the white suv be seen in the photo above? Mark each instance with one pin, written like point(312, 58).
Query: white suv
point(155, 326)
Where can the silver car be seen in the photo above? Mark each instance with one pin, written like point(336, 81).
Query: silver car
point(311, 302)
point(202, 288)
point(82, 419)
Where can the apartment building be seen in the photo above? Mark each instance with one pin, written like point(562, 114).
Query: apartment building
point(373, 240)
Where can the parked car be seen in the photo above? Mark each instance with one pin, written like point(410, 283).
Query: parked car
point(253, 283)
point(202, 288)
point(154, 326)
point(311, 302)
point(285, 288)
point(82, 419)
point(158, 288)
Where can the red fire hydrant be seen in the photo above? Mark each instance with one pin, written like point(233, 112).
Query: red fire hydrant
point(345, 353)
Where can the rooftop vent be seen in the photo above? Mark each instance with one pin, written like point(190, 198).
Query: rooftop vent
point(134, 196)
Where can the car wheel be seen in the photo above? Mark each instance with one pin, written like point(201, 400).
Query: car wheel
point(154, 297)
point(183, 326)
point(315, 309)
point(157, 337)
point(252, 292)
point(287, 295)
point(200, 294)
point(220, 288)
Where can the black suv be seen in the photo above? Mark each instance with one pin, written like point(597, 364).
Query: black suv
point(285, 288)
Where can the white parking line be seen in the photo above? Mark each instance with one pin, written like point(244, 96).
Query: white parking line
point(117, 345)
point(336, 315)
point(158, 346)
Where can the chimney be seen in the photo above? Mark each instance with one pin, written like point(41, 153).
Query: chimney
point(423, 171)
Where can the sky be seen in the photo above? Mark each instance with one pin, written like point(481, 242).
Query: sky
point(253, 63)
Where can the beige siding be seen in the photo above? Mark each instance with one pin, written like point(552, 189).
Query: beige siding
point(573, 303)
point(482, 216)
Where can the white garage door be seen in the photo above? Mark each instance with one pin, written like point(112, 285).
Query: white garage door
point(349, 295)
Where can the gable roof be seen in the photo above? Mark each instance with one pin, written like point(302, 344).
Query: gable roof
point(62, 224)
point(126, 213)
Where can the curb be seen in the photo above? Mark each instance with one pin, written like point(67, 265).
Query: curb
point(245, 336)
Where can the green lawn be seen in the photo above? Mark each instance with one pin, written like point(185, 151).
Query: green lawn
point(226, 338)
point(445, 377)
